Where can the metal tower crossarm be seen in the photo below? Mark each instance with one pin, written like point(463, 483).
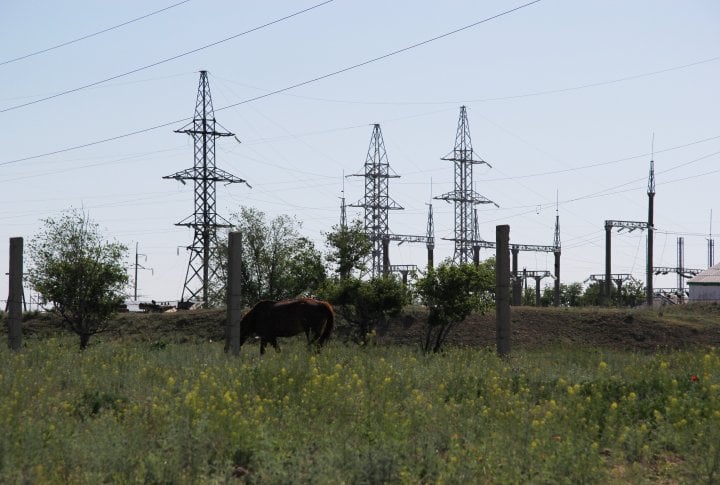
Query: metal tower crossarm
point(685, 272)
point(631, 225)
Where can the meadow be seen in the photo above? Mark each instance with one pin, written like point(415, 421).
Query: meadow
point(155, 412)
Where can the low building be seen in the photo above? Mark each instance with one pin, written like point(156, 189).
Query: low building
point(706, 285)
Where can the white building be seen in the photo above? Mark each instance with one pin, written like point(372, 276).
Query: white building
point(706, 285)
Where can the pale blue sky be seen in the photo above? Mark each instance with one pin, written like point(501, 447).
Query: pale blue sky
point(296, 145)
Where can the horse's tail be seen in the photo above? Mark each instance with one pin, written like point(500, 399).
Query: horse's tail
point(327, 328)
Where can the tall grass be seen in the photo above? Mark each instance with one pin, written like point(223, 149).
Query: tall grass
point(185, 413)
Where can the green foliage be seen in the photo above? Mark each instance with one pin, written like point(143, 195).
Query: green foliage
point(632, 294)
point(451, 292)
point(188, 414)
point(278, 263)
point(349, 248)
point(366, 304)
point(76, 270)
point(570, 295)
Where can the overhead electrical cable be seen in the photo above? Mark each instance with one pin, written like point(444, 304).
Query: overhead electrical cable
point(163, 61)
point(600, 164)
point(500, 98)
point(84, 37)
point(379, 58)
point(278, 91)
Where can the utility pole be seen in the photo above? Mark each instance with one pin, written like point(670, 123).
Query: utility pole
point(139, 266)
point(343, 211)
point(204, 220)
point(681, 267)
point(711, 245)
point(556, 252)
point(650, 296)
point(463, 195)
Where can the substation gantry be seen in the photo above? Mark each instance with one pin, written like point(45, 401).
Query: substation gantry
point(537, 275)
point(617, 278)
point(621, 225)
point(516, 280)
point(680, 270)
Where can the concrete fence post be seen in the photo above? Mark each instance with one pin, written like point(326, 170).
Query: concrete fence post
point(234, 293)
point(502, 289)
point(15, 293)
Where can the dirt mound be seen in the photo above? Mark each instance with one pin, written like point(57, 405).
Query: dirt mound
point(676, 327)
point(686, 326)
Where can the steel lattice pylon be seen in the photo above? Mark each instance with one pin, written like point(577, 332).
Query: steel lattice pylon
point(377, 201)
point(202, 267)
point(463, 195)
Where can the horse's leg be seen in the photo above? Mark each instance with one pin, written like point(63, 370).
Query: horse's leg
point(275, 344)
point(263, 343)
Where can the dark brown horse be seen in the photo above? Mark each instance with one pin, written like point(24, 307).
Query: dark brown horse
point(272, 319)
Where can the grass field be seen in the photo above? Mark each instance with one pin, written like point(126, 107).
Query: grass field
point(182, 413)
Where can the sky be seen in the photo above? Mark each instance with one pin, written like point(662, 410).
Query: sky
point(564, 100)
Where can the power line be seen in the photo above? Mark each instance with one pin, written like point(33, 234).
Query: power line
point(278, 91)
point(57, 46)
point(379, 58)
point(508, 97)
point(600, 164)
point(163, 61)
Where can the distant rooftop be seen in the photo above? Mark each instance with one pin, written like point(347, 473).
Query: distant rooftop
point(710, 276)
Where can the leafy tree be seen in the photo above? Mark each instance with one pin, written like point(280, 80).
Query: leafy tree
point(451, 293)
point(569, 295)
point(81, 274)
point(593, 294)
point(277, 262)
point(366, 304)
point(349, 249)
point(632, 294)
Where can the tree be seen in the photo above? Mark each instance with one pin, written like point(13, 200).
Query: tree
point(451, 293)
point(277, 262)
point(569, 295)
point(349, 249)
point(81, 274)
point(366, 304)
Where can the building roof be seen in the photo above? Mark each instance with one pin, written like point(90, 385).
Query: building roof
point(710, 276)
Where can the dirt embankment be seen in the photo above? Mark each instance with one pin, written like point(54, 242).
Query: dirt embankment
point(676, 327)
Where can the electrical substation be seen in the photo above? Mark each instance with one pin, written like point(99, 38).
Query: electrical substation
point(377, 203)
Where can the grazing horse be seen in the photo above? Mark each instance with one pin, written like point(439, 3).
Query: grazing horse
point(272, 319)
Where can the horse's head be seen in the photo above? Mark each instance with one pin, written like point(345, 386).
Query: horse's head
point(249, 321)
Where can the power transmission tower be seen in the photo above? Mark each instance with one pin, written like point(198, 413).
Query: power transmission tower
point(463, 195)
point(377, 201)
point(202, 267)
point(430, 235)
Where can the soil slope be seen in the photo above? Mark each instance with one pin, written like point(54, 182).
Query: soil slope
point(676, 327)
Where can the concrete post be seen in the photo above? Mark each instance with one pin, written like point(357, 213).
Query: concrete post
point(234, 293)
point(15, 294)
point(557, 279)
point(476, 256)
point(502, 289)
point(430, 258)
point(537, 290)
